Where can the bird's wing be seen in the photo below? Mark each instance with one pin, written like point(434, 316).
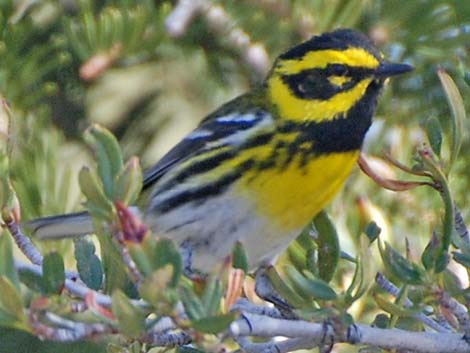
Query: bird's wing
point(230, 125)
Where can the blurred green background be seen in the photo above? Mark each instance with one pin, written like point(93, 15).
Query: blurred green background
point(137, 69)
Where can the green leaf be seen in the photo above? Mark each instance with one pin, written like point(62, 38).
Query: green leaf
point(131, 319)
point(129, 182)
point(53, 272)
point(19, 341)
point(466, 78)
point(214, 324)
point(11, 307)
point(358, 286)
point(6, 191)
point(400, 267)
point(97, 202)
point(156, 291)
point(311, 259)
point(441, 262)
point(115, 271)
point(143, 254)
point(428, 257)
point(439, 177)
point(458, 113)
point(89, 265)
point(33, 281)
point(212, 296)
point(297, 256)
point(114, 348)
point(328, 246)
point(108, 156)
point(240, 259)
point(463, 259)
point(434, 132)
point(7, 266)
point(167, 253)
point(310, 287)
point(395, 309)
point(287, 292)
point(192, 304)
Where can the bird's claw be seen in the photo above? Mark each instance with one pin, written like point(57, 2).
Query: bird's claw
point(265, 291)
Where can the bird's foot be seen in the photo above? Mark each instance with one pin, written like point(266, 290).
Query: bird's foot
point(265, 291)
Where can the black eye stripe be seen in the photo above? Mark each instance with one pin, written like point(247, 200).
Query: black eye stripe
point(315, 83)
point(337, 70)
point(345, 70)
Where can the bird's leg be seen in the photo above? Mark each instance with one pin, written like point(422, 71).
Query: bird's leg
point(186, 251)
point(265, 291)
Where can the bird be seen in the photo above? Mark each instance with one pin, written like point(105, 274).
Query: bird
point(259, 168)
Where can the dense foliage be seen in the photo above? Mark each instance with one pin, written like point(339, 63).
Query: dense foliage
point(147, 72)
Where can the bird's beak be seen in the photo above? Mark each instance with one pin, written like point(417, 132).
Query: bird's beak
point(387, 69)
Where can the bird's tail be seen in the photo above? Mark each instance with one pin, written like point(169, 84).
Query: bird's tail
point(61, 226)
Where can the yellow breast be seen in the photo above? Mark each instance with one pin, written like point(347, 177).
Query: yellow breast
point(291, 197)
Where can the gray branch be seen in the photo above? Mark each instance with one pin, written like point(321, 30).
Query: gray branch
point(419, 342)
point(24, 243)
point(288, 345)
point(76, 288)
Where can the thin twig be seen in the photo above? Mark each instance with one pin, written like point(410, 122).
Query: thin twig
point(184, 12)
point(127, 259)
point(389, 158)
point(27, 247)
point(23, 242)
point(222, 25)
point(390, 288)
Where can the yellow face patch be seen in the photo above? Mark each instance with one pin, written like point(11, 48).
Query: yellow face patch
point(322, 58)
point(299, 109)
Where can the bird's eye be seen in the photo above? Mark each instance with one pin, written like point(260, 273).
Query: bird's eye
point(337, 70)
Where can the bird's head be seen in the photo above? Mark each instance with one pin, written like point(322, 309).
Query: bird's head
point(324, 77)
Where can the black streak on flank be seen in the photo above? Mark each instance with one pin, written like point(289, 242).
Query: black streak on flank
point(204, 191)
point(212, 162)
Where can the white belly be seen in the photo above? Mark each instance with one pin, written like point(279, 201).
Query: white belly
point(212, 228)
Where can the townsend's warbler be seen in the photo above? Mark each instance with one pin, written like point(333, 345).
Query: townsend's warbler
point(260, 167)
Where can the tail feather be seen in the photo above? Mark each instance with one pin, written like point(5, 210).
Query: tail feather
point(61, 226)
